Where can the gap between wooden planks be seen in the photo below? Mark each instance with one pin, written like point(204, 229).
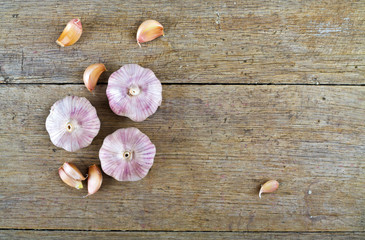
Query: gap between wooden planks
point(74, 235)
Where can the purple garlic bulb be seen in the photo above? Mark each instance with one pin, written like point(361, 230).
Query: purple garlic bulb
point(127, 154)
point(134, 92)
point(72, 123)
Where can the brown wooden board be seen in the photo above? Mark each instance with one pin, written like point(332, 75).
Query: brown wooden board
point(255, 41)
point(75, 235)
point(240, 106)
point(215, 146)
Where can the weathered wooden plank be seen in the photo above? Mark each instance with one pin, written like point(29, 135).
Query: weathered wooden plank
point(255, 41)
point(215, 146)
point(74, 235)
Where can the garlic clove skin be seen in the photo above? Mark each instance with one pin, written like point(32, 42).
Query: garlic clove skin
point(148, 31)
point(127, 154)
point(72, 123)
point(94, 180)
point(69, 180)
point(268, 187)
point(72, 171)
point(71, 34)
point(92, 74)
point(134, 92)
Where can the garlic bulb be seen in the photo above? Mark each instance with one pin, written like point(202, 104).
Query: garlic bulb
point(72, 123)
point(134, 92)
point(127, 154)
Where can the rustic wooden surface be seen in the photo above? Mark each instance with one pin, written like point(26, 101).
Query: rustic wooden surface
point(76, 235)
point(253, 41)
point(216, 145)
point(252, 91)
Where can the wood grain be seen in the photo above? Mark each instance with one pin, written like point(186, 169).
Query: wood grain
point(75, 235)
point(215, 143)
point(215, 146)
point(254, 41)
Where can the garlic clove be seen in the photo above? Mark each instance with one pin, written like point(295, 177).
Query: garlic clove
point(72, 171)
point(71, 34)
point(69, 180)
point(134, 92)
point(94, 180)
point(92, 74)
point(72, 123)
point(149, 30)
point(127, 154)
point(269, 186)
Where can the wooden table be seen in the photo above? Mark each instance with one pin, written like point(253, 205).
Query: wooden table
point(252, 90)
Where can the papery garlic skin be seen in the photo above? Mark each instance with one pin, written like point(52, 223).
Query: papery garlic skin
point(71, 34)
point(72, 123)
point(69, 180)
point(134, 92)
point(72, 171)
point(148, 31)
point(268, 187)
point(127, 154)
point(92, 74)
point(94, 180)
